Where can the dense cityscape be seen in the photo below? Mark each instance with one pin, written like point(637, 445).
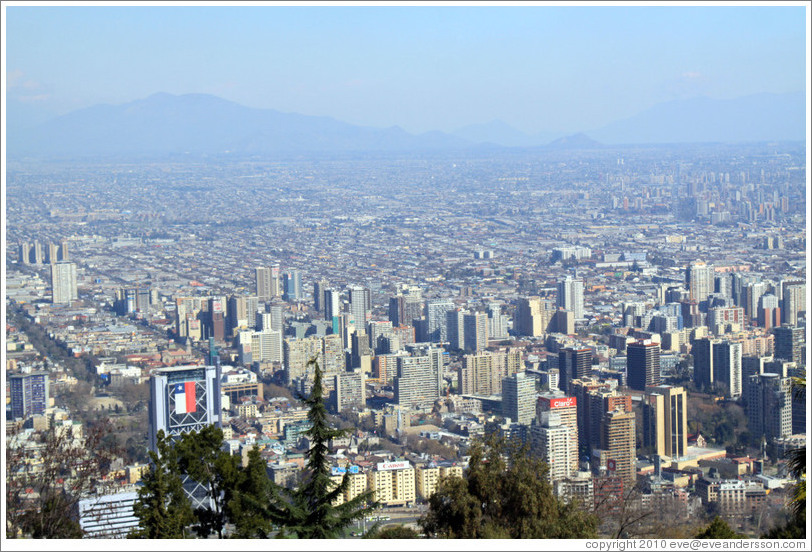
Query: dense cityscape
point(634, 317)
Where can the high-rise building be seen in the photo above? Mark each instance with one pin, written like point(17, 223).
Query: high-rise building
point(571, 296)
point(182, 400)
point(769, 313)
point(581, 388)
point(29, 394)
point(332, 306)
point(436, 319)
point(63, 283)
point(794, 301)
point(397, 310)
point(727, 367)
point(702, 352)
point(292, 281)
point(318, 295)
point(769, 406)
point(454, 328)
point(643, 364)
point(360, 305)
point(519, 398)
point(533, 316)
point(596, 404)
point(417, 382)
point(789, 343)
point(573, 364)
point(752, 294)
point(475, 331)
point(665, 419)
point(260, 346)
point(618, 441)
point(699, 279)
point(552, 440)
point(567, 410)
point(497, 322)
point(297, 353)
point(482, 373)
point(350, 390)
point(263, 280)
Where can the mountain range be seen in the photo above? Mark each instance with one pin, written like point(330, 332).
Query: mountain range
point(164, 124)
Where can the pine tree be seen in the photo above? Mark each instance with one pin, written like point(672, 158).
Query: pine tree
point(247, 507)
point(308, 511)
point(163, 509)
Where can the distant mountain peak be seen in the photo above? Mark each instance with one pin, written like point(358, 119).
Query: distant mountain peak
point(575, 141)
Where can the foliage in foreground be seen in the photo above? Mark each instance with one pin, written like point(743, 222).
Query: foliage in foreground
point(42, 496)
point(308, 512)
point(718, 529)
point(504, 494)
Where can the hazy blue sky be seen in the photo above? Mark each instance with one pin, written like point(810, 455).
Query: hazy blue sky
point(424, 68)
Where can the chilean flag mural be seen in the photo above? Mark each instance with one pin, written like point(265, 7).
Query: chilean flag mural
point(185, 400)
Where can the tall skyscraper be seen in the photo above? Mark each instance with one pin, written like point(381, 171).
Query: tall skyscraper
point(619, 442)
point(789, 343)
point(533, 316)
point(571, 296)
point(63, 283)
point(318, 295)
point(793, 302)
point(519, 398)
point(293, 286)
point(643, 364)
point(481, 374)
point(29, 394)
point(475, 331)
point(360, 305)
point(552, 440)
point(699, 278)
point(567, 410)
point(263, 280)
point(769, 313)
point(332, 306)
point(665, 418)
point(417, 382)
point(769, 406)
point(752, 295)
point(436, 319)
point(702, 352)
point(573, 364)
point(727, 367)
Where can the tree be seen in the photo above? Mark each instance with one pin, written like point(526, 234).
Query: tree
point(718, 529)
point(503, 494)
point(397, 532)
point(247, 507)
point(163, 509)
point(202, 458)
point(308, 512)
point(48, 475)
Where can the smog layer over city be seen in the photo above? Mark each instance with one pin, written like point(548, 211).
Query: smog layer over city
point(406, 271)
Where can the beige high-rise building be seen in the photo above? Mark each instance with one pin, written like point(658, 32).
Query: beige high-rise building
point(392, 483)
point(665, 420)
point(533, 316)
point(482, 373)
point(618, 441)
